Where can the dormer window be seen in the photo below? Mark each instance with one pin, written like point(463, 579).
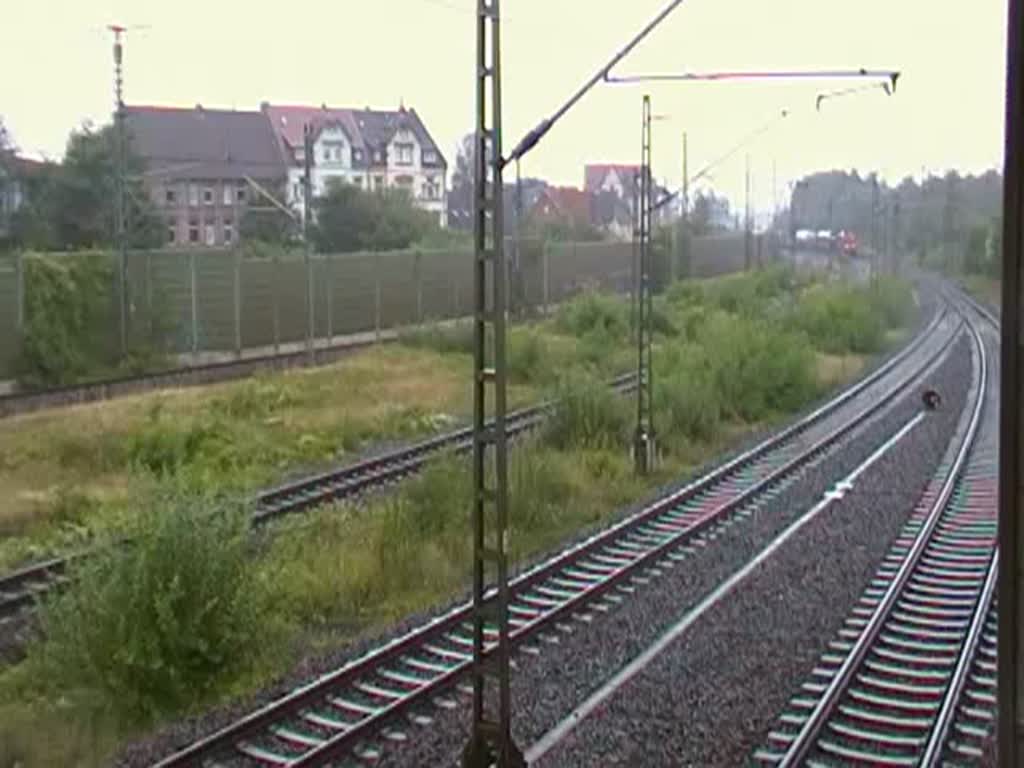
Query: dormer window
point(429, 156)
point(357, 154)
point(378, 156)
point(404, 152)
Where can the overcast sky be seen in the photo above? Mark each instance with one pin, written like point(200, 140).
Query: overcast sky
point(56, 63)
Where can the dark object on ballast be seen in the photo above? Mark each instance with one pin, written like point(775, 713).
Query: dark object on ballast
point(931, 399)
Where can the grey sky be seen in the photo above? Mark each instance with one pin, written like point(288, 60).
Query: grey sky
point(55, 56)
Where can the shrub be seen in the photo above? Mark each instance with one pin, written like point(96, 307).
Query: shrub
point(157, 626)
point(840, 320)
point(758, 369)
point(893, 300)
point(528, 356)
point(70, 327)
point(587, 414)
point(594, 312)
point(688, 406)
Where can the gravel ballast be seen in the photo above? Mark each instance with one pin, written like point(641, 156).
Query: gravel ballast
point(759, 648)
point(548, 686)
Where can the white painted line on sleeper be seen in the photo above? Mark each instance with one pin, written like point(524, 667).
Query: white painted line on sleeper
point(550, 739)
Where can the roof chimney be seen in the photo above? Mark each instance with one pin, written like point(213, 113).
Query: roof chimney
point(323, 106)
point(264, 106)
point(199, 107)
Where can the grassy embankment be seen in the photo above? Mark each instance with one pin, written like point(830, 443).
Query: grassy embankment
point(197, 613)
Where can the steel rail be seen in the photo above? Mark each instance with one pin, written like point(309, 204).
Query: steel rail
point(583, 573)
point(808, 735)
point(23, 586)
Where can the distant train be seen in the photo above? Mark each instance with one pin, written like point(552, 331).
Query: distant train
point(843, 241)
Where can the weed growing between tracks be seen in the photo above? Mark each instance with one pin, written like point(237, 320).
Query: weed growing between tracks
point(731, 355)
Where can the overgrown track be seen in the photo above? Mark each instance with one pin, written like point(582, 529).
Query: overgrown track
point(346, 713)
point(21, 588)
point(186, 376)
point(891, 688)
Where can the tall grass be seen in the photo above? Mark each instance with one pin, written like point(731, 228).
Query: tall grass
point(587, 414)
point(158, 626)
point(456, 338)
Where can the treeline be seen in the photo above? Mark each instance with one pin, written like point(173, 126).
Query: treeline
point(953, 221)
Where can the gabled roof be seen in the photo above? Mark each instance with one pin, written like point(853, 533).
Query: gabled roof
point(288, 122)
point(594, 174)
point(204, 143)
point(367, 129)
point(567, 201)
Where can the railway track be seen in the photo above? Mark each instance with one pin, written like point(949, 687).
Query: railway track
point(910, 678)
point(20, 589)
point(350, 712)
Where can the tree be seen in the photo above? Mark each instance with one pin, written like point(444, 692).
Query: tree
point(349, 219)
point(263, 222)
point(460, 198)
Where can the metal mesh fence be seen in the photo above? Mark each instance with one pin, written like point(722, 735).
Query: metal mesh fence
point(217, 301)
point(9, 311)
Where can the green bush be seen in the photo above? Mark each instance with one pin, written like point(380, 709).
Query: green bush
point(528, 356)
point(593, 312)
point(688, 406)
point(157, 626)
point(894, 300)
point(759, 369)
point(70, 330)
point(840, 320)
point(587, 414)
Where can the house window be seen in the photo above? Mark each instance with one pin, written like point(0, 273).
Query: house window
point(172, 231)
point(297, 190)
point(210, 234)
point(240, 193)
point(378, 156)
point(193, 230)
point(229, 231)
point(403, 181)
point(170, 196)
point(227, 194)
point(429, 156)
point(193, 194)
point(207, 195)
point(357, 155)
point(404, 152)
point(357, 180)
point(378, 182)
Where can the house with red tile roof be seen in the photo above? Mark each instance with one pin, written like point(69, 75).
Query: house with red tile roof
point(369, 148)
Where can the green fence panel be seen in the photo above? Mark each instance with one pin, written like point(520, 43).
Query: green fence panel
point(215, 300)
point(354, 297)
point(172, 281)
point(398, 291)
point(258, 287)
point(9, 335)
point(291, 285)
point(714, 255)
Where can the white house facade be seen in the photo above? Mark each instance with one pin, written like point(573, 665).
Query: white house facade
point(370, 149)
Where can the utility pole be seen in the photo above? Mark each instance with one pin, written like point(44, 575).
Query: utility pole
point(634, 290)
point(643, 443)
point(517, 254)
point(490, 742)
point(684, 229)
point(120, 193)
point(747, 234)
point(307, 212)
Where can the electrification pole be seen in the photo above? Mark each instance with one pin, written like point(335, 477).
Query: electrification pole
point(307, 212)
point(517, 254)
point(747, 234)
point(120, 193)
point(643, 443)
point(491, 740)
point(634, 290)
